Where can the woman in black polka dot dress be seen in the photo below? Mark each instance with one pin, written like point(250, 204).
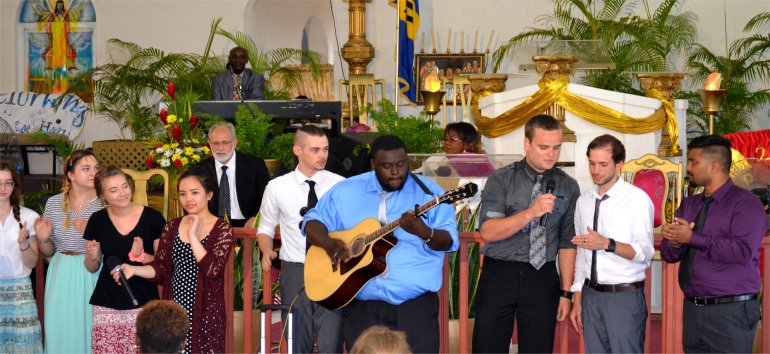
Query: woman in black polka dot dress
point(190, 262)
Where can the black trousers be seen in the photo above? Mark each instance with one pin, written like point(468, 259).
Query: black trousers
point(417, 318)
point(516, 290)
point(725, 328)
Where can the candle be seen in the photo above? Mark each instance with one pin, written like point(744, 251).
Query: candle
point(433, 39)
point(462, 41)
point(475, 41)
point(489, 43)
point(449, 41)
point(422, 43)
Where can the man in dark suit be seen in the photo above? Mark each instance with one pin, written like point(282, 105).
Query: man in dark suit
point(242, 178)
point(238, 83)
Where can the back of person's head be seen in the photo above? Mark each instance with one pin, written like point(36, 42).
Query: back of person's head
point(387, 143)
point(714, 147)
point(161, 327)
point(380, 340)
point(541, 121)
point(468, 134)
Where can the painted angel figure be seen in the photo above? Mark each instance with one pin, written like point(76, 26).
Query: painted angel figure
point(59, 54)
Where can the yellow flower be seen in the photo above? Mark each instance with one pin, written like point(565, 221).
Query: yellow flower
point(189, 151)
point(206, 150)
point(184, 161)
point(175, 157)
point(195, 141)
point(174, 145)
point(171, 119)
point(197, 158)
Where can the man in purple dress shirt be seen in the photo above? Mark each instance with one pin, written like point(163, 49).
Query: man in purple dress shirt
point(719, 253)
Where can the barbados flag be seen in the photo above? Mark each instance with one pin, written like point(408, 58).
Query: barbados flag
point(409, 17)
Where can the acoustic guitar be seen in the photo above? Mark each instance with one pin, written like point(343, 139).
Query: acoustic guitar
point(334, 286)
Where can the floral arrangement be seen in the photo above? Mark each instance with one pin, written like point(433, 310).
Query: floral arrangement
point(183, 143)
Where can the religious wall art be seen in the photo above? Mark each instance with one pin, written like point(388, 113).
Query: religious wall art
point(447, 66)
point(57, 40)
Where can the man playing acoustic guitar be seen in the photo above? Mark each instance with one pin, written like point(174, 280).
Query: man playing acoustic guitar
point(404, 296)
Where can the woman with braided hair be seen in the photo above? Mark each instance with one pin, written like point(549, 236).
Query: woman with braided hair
point(19, 325)
point(69, 284)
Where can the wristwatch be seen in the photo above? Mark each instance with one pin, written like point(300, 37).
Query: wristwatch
point(611, 246)
point(566, 294)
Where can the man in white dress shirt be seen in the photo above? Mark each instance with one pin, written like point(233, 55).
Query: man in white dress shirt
point(287, 198)
point(615, 247)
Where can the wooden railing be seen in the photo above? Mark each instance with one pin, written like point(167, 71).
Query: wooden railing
point(670, 332)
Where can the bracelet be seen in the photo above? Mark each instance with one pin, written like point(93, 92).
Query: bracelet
point(427, 240)
point(139, 258)
point(28, 245)
point(566, 294)
point(46, 241)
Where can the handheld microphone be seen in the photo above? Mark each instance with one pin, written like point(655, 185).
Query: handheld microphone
point(550, 186)
point(229, 67)
point(114, 264)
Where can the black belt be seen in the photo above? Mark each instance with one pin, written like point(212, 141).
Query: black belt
point(615, 288)
point(703, 301)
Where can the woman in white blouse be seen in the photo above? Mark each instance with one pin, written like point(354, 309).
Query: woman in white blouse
point(19, 325)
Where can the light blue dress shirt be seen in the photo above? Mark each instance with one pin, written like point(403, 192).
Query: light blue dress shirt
point(413, 267)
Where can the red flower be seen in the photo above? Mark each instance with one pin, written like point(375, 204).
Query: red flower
point(171, 90)
point(163, 115)
point(177, 164)
point(158, 145)
point(193, 122)
point(176, 132)
point(150, 163)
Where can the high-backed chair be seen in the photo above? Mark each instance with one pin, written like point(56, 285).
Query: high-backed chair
point(140, 186)
point(661, 179)
point(361, 93)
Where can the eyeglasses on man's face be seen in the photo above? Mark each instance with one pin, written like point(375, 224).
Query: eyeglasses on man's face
point(221, 143)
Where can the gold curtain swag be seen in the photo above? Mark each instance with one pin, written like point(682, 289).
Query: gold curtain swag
point(555, 91)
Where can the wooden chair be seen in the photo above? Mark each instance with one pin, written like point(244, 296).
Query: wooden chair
point(361, 94)
point(459, 85)
point(657, 177)
point(140, 186)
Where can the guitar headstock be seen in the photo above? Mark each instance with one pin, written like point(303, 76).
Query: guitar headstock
point(465, 191)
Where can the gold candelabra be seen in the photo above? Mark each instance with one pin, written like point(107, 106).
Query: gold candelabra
point(712, 100)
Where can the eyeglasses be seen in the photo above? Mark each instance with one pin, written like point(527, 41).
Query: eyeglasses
point(221, 143)
point(451, 139)
point(9, 184)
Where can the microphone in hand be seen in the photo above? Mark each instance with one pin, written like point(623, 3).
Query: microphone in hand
point(114, 263)
point(229, 67)
point(550, 186)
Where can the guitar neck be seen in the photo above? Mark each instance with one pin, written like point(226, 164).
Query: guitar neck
point(393, 225)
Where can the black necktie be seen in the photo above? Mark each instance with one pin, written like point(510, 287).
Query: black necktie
point(312, 199)
point(685, 269)
point(594, 277)
point(224, 195)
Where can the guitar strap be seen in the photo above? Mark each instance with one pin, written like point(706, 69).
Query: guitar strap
point(422, 185)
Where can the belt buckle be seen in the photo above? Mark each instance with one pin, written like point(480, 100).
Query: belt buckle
point(699, 301)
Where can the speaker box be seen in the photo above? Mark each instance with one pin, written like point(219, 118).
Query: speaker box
point(349, 154)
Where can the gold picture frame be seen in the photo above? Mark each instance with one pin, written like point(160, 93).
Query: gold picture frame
point(473, 63)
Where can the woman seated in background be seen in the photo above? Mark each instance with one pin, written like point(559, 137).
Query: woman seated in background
point(161, 327)
point(461, 138)
point(122, 232)
point(19, 325)
point(68, 285)
point(191, 260)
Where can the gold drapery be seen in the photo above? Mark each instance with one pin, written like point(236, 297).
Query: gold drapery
point(555, 91)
